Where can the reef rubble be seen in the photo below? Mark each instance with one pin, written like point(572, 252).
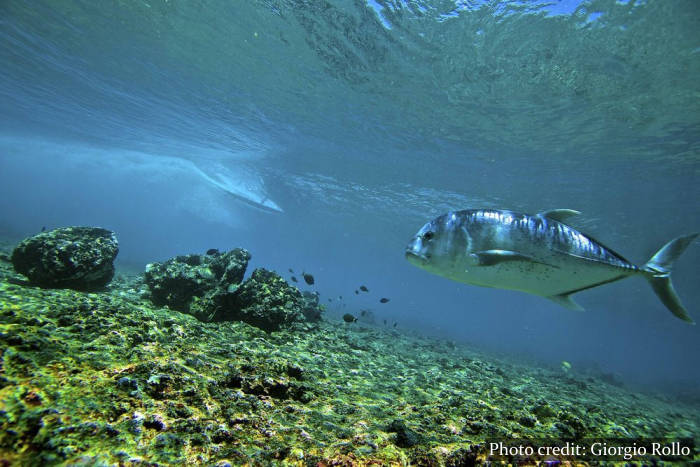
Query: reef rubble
point(110, 378)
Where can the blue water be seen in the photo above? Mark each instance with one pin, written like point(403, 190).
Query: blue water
point(321, 135)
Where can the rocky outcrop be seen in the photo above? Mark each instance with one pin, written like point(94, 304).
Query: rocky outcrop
point(265, 300)
point(209, 287)
point(80, 258)
point(180, 281)
point(311, 308)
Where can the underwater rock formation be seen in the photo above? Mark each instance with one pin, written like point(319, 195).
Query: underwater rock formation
point(209, 288)
point(178, 281)
point(405, 437)
point(310, 306)
point(79, 258)
point(264, 300)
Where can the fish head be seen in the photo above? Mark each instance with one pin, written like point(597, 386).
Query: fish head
point(439, 244)
point(419, 249)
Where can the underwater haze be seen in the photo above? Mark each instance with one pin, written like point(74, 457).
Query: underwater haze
point(321, 135)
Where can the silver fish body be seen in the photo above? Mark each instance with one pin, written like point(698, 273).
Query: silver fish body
point(537, 254)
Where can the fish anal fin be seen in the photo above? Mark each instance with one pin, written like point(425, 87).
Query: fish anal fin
point(495, 257)
point(559, 214)
point(566, 301)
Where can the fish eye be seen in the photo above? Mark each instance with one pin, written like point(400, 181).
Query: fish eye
point(428, 235)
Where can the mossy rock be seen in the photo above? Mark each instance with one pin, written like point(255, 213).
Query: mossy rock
point(265, 300)
point(79, 258)
point(178, 281)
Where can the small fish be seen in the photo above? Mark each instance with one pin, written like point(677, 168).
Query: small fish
point(357, 293)
point(212, 251)
point(43, 229)
point(363, 312)
point(364, 289)
point(340, 297)
point(348, 318)
point(537, 254)
point(308, 278)
point(384, 322)
point(291, 270)
point(330, 299)
point(395, 323)
point(294, 279)
point(383, 300)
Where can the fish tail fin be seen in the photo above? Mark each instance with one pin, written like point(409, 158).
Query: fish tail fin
point(658, 273)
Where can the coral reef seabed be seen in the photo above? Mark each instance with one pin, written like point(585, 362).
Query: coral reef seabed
point(108, 378)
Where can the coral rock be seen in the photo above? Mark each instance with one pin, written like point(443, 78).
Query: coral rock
point(179, 280)
point(265, 300)
point(310, 306)
point(78, 258)
point(405, 437)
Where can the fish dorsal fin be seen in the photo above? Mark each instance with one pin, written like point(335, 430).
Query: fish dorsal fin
point(559, 214)
point(494, 257)
point(566, 301)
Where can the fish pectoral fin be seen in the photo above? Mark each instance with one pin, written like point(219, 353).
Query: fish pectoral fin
point(494, 257)
point(566, 301)
point(559, 214)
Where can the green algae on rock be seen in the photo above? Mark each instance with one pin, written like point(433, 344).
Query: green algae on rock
point(78, 258)
point(179, 280)
point(311, 308)
point(209, 288)
point(264, 300)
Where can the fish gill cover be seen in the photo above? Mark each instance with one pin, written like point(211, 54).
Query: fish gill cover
point(321, 135)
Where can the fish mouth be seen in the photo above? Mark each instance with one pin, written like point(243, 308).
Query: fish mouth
point(414, 257)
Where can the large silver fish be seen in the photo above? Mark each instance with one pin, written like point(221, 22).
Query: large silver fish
point(538, 254)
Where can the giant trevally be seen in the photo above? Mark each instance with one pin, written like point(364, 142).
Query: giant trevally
point(537, 254)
